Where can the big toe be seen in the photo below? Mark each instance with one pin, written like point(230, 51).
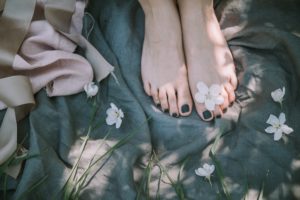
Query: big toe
point(205, 114)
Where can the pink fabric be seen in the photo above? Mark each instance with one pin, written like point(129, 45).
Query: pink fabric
point(46, 57)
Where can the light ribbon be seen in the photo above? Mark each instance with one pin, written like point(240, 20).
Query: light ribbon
point(59, 14)
point(15, 91)
point(2, 2)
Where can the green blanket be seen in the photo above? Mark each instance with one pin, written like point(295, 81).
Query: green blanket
point(153, 155)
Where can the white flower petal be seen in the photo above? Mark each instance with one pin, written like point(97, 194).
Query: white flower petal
point(201, 172)
point(286, 129)
point(110, 111)
point(209, 168)
point(202, 88)
point(282, 118)
point(215, 90)
point(278, 135)
point(200, 98)
point(121, 114)
point(91, 89)
point(283, 91)
point(219, 100)
point(212, 169)
point(113, 106)
point(206, 166)
point(276, 95)
point(270, 129)
point(209, 104)
point(118, 122)
point(273, 120)
point(110, 121)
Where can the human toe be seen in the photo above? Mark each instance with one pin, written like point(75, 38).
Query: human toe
point(154, 94)
point(184, 101)
point(172, 100)
point(230, 91)
point(205, 114)
point(163, 100)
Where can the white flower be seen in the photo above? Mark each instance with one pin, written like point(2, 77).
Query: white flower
point(209, 96)
point(91, 89)
point(205, 171)
point(277, 126)
point(278, 95)
point(114, 115)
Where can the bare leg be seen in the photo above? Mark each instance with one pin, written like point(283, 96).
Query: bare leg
point(163, 67)
point(208, 57)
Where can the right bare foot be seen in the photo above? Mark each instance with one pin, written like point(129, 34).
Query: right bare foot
point(164, 72)
point(208, 58)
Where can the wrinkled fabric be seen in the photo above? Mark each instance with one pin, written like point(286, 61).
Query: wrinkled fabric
point(47, 57)
point(15, 91)
point(264, 39)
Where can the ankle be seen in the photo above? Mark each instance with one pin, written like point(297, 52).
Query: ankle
point(188, 6)
point(154, 6)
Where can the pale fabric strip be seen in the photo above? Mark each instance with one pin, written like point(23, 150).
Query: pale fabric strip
point(18, 94)
point(2, 3)
point(100, 66)
point(15, 91)
point(14, 22)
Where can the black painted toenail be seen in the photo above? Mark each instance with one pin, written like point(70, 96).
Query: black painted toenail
point(185, 108)
point(166, 110)
point(174, 115)
point(158, 104)
point(218, 116)
point(207, 114)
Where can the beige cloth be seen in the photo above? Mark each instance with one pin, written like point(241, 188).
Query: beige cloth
point(46, 57)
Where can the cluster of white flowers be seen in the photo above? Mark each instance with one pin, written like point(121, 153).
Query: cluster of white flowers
point(114, 114)
point(278, 126)
point(210, 96)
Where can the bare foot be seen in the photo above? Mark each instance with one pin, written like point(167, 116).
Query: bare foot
point(164, 71)
point(208, 57)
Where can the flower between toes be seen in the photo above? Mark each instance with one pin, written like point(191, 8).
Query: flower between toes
point(210, 96)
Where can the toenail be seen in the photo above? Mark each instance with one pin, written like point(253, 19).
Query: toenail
point(158, 104)
point(207, 114)
point(174, 115)
point(166, 110)
point(218, 116)
point(185, 108)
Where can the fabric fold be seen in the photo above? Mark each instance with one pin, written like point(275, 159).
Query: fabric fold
point(15, 91)
point(2, 3)
point(101, 67)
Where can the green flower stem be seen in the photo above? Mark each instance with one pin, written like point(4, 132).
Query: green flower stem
point(218, 164)
point(176, 185)
point(5, 186)
point(68, 188)
point(146, 180)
